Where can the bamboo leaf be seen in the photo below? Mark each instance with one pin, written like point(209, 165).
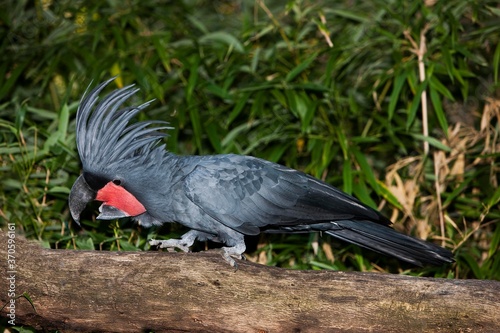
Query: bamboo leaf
point(432, 141)
point(496, 63)
point(63, 122)
point(438, 109)
point(255, 59)
point(367, 170)
point(414, 105)
point(308, 112)
point(387, 195)
point(223, 37)
point(360, 190)
point(473, 265)
point(399, 81)
point(12, 79)
point(213, 135)
point(448, 62)
point(495, 198)
point(237, 131)
point(160, 48)
point(348, 14)
point(494, 10)
point(218, 91)
point(344, 144)
point(28, 298)
point(194, 114)
point(436, 84)
point(277, 152)
point(347, 176)
point(241, 102)
point(495, 242)
point(198, 24)
point(116, 71)
point(301, 67)
point(85, 244)
point(456, 192)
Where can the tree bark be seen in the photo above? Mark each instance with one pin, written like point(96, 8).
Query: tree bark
point(200, 292)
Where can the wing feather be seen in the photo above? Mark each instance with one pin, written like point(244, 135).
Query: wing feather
point(247, 193)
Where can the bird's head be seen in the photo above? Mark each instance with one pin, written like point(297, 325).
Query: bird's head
point(116, 156)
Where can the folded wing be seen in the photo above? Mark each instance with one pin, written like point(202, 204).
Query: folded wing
point(247, 194)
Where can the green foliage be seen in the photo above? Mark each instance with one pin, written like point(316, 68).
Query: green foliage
point(331, 89)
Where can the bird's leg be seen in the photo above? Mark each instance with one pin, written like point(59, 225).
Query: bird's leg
point(183, 244)
point(236, 251)
point(228, 252)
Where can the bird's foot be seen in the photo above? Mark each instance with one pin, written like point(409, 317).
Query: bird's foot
point(234, 252)
point(182, 244)
point(170, 244)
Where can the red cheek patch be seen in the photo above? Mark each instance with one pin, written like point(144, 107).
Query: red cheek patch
point(120, 198)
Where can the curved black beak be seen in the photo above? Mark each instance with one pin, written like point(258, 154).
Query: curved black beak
point(81, 194)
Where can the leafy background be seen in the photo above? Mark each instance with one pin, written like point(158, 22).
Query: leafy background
point(396, 102)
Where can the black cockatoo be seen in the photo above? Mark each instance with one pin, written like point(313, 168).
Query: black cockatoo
point(221, 197)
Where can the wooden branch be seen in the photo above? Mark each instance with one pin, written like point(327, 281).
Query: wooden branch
point(200, 292)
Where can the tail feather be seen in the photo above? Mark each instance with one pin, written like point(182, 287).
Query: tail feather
point(386, 240)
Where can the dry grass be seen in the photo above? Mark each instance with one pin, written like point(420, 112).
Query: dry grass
point(423, 208)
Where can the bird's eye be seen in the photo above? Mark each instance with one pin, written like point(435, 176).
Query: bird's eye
point(117, 182)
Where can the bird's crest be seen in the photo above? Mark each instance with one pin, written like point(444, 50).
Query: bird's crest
point(103, 133)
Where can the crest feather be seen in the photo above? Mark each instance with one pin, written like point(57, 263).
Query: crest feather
point(104, 136)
